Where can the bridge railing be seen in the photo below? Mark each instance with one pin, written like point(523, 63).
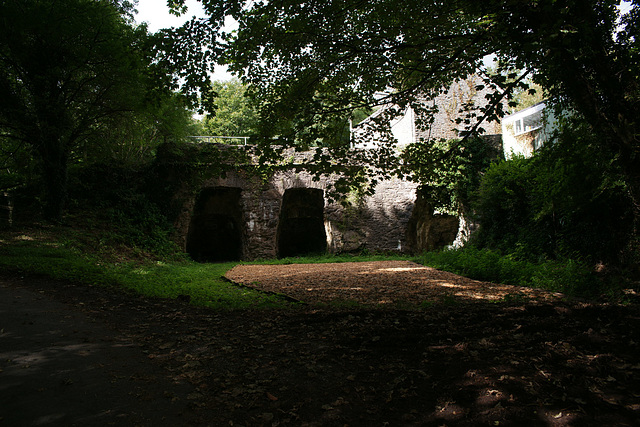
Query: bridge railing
point(230, 140)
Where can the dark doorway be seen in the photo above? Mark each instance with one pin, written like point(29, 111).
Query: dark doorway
point(301, 227)
point(214, 232)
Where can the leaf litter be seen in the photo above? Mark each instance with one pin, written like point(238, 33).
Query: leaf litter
point(545, 361)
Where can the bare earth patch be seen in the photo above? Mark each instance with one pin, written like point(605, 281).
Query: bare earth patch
point(86, 355)
point(376, 282)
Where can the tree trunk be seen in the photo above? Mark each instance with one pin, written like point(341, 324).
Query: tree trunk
point(633, 185)
point(55, 174)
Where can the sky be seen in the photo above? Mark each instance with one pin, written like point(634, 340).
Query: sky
point(156, 14)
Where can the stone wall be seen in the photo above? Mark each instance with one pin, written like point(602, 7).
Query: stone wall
point(409, 127)
point(380, 222)
point(241, 212)
point(450, 107)
point(428, 230)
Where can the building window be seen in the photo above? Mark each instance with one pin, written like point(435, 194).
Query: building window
point(517, 126)
point(528, 123)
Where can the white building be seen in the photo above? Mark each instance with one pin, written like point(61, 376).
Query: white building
point(462, 97)
point(527, 130)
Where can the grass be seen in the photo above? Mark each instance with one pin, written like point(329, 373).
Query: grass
point(567, 276)
point(84, 256)
point(203, 283)
point(63, 254)
point(90, 256)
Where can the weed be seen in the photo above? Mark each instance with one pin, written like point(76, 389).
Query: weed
point(569, 276)
point(201, 283)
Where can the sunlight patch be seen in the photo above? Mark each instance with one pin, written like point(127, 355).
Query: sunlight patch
point(450, 285)
point(400, 269)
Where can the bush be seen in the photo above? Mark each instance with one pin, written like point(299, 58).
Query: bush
point(568, 201)
point(566, 276)
point(118, 197)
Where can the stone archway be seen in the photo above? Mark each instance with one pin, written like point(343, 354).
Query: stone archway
point(428, 231)
point(214, 231)
point(301, 226)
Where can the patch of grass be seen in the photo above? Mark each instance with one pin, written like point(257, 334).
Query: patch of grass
point(333, 258)
point(202, 283)
point(567, 276)
point(90, 255)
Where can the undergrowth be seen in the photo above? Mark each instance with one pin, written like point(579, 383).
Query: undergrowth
point(568, 276)
point(201, 284)
point(83, 257)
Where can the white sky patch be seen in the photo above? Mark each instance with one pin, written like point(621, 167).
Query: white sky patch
point(156, 14)
point(624, 7)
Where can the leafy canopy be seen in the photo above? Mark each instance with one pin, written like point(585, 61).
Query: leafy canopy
point(313, 62)
point(234, 114)
point(316, 60)
point(77, 75)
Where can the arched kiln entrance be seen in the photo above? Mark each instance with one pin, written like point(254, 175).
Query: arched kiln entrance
point(214, 232)
point(301, 226)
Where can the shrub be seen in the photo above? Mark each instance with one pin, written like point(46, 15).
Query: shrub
point(568, 201)
point(567, 276)
point(118, 198)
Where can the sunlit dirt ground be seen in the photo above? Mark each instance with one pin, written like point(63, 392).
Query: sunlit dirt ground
point(378, 282)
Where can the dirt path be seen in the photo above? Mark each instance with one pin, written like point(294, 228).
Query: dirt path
point(377, 283)
point(93, 356)
point(60, 365)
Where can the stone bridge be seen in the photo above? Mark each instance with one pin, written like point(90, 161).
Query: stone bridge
point(240, 216)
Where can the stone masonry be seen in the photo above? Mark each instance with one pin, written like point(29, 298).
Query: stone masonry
point(383, 222)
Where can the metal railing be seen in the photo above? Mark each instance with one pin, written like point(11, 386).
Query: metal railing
point(231, 140)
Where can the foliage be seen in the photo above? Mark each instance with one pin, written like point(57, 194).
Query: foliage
point(76, 74)
point(234, 113)
point(503, 203)
point(16, 164)
point(566, 276)
point(570, 199)
point(118, 199)
point(294, 52)
point(132, 139)
point(449, 171)
point(528, 98)
point(312, 62)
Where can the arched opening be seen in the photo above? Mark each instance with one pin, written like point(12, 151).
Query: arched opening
point(301, 226)
point(214, 232)
point(427, 230)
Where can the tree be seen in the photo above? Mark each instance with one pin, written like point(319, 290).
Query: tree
point(584, 52)
point(449, 173)
point(131, 139)
point(567, 200)
point(71, 69)
point(234, 114)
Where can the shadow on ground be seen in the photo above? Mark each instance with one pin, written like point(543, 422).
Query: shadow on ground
point(94, 356)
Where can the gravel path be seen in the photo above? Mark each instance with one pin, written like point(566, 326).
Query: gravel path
point(378, 282)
